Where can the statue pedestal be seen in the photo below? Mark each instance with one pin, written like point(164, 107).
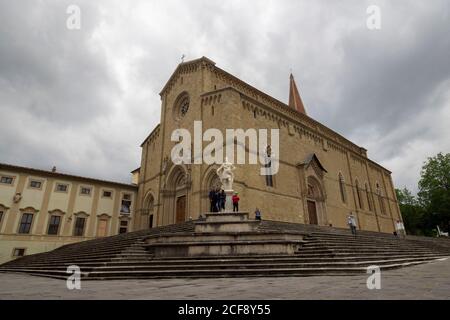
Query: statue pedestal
point(229, 201)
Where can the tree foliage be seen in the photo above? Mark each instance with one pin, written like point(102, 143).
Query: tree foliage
point(431, 207)
point(412, 212)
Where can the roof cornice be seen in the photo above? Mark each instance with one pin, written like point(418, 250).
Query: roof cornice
point(50, 174)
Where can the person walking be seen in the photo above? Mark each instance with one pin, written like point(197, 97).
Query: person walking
point(400, 229)
point(257, 214)
point(351, 221)
point(223, 198)
point(235, 200)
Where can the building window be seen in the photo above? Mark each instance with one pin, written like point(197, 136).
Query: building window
point(181, 106)
point(123, 226)
point(380, 199)
point(107, 194)
point(86, 191)
point(268, 166)
point(126, 204)
point(6, 180)
point(369, 202)
point(150, 221)
point(61, 187)
point(53, 226)
point(269, 176)
point(35, 184)
point(25, 223)
point(79, 226)
point(18, 252)
point(358, 193)
point(342, 188)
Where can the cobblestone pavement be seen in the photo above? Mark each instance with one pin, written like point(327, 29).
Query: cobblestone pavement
point(426, 281)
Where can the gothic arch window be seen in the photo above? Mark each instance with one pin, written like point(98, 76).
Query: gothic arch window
point(369, 201)
point(148, 210)
point(181, 106)
point(380, 199)
point(268, 166)
point(149, 203)
point(358, 193)
point(342, 188)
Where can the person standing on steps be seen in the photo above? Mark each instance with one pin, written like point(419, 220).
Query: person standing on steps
point(217, 200)
point(211, 200)
point(257, 214)
point(400, 229)
point(222, 198)
point(351, 221)
point(235, 200)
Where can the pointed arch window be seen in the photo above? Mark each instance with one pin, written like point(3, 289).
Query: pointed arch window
point(269, 175)
point(369, 201)
point(358, 193)
point(342, 188)
point(380, 199)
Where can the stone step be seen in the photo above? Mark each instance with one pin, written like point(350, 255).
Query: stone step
point(359, 250)
point(270, 271)
point(244, 272)
point(239, 259)
point(91, 257)
point(321, 251)
point(228, 266)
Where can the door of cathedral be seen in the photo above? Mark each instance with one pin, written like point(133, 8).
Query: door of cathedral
point(180, 209)
point(312, 212)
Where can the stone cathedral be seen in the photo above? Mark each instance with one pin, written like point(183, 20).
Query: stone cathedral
point(322, 176)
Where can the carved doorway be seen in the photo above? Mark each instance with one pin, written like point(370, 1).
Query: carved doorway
point(315, 202)
point(312, 212)
point(181, 209)
point(210, 182)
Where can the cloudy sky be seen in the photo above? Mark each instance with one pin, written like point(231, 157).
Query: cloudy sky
point(84, 100)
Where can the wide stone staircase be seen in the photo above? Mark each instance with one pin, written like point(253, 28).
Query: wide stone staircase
point(232, 246)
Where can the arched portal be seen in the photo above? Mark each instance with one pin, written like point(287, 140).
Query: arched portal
point(176, 196)
point(211, 181)
point(149, 211)
point(315, 201)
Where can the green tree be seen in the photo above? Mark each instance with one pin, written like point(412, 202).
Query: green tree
point(434, 191)
point(412, 212)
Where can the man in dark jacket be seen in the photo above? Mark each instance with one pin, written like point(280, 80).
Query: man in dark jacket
point(211, 200)
point(223, 198)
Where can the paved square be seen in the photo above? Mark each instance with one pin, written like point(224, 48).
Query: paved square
point(426, 281)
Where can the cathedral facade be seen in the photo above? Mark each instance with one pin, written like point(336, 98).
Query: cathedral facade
point(321, 178)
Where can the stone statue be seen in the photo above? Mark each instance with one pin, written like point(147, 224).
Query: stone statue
point(226, 175)
point(17, 197)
